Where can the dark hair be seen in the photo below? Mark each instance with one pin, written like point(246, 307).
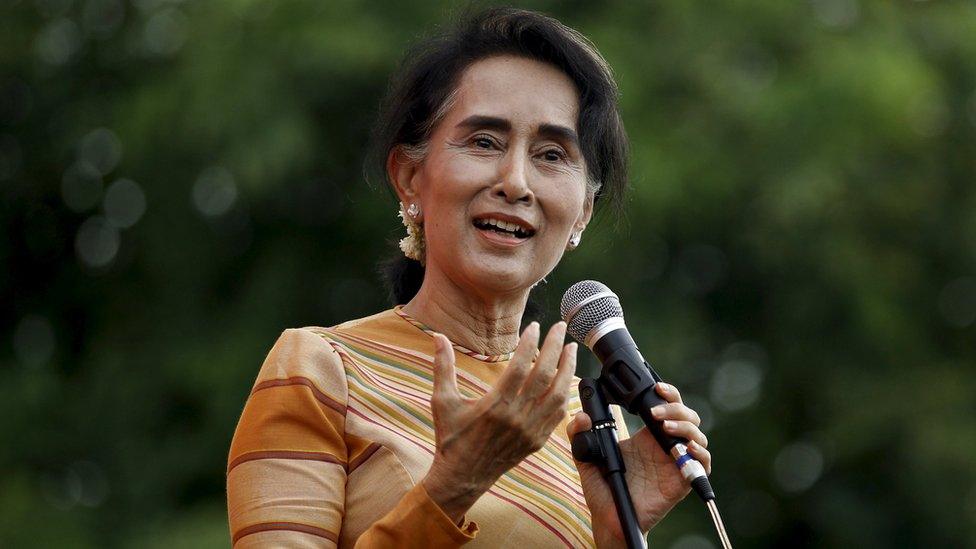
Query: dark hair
point(430, 73)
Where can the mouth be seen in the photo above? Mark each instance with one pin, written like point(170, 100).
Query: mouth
point(504, 226)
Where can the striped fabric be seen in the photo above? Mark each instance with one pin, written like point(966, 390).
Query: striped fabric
point(337, 433)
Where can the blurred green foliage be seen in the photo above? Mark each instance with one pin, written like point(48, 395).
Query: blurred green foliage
point(180, 181)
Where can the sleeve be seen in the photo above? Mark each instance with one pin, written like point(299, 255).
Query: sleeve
point(286, 471)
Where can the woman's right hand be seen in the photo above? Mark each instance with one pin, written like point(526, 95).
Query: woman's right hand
point(479, 439)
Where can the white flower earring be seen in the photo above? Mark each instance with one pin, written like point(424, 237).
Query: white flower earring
point(413, 245)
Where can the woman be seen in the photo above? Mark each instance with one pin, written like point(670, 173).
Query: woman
point(420, 426)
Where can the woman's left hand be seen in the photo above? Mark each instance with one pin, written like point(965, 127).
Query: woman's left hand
point(656, 485)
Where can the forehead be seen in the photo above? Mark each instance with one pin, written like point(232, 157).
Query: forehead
point(525, 91)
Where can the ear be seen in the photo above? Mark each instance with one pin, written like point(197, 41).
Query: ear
point(587, 214)
point(402, 173)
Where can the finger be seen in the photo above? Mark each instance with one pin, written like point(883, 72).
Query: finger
point(445, 375)
point(518, 368)
point(541, 376)
point(703, 456)
point(580, 422)
point(676, 411)
point(686, 430)
point(667, 391)
point(564, 373)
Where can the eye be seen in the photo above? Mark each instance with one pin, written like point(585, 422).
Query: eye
point(483, 142)
point(553, 155)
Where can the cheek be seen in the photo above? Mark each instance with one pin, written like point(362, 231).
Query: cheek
point(563, 207)
point(453, 177)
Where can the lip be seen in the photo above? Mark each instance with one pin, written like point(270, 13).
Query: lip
point(501, 239)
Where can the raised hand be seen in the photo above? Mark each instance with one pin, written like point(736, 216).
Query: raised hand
point(479, 439)
point(655, 483)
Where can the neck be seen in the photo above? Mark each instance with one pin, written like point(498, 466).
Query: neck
point(484, 324)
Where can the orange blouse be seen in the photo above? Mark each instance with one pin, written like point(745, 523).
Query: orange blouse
point(337, 434)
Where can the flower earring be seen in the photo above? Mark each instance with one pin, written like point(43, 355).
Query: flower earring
point(574, 240)
point(413, 245)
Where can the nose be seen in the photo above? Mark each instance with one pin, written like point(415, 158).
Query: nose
point(513, 185)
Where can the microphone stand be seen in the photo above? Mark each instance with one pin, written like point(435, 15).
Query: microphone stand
point(599, 446)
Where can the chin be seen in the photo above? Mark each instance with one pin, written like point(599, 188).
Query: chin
point(503, 275)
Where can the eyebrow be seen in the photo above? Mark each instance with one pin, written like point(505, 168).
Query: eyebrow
point(549, 131)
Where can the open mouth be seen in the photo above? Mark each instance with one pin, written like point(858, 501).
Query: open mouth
point(506, 228)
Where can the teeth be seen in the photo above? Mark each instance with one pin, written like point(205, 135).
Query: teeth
point(511, 227)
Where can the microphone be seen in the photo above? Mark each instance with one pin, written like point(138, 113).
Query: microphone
point(595, 318)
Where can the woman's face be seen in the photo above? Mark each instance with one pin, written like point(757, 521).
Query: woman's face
point(503, 184)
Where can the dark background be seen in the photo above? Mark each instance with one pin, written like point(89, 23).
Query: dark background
point(181, 181)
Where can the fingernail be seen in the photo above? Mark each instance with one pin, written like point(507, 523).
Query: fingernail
point(665, 387)
point(657, 411)
point(669, 425)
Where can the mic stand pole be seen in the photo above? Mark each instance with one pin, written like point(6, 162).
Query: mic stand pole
point(599, 446)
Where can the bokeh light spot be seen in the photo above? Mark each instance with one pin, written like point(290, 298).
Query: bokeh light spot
point(165, 32)
point(798, 466)
point(736, 385)
point(58, 42)
point(124, 203)
point(214, 192)
point(102, 149)
point(97, 242)
point(81, 186)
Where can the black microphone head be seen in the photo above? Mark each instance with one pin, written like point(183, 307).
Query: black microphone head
point(585, 305)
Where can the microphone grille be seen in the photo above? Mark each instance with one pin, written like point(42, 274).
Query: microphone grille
point(585, 305)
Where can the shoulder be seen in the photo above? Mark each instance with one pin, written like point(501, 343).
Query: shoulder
point(379, 319)
point(303, 356)
point(317, 353)
point(298, 348)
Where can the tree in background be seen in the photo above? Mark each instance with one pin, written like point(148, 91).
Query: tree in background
point(181, 181)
